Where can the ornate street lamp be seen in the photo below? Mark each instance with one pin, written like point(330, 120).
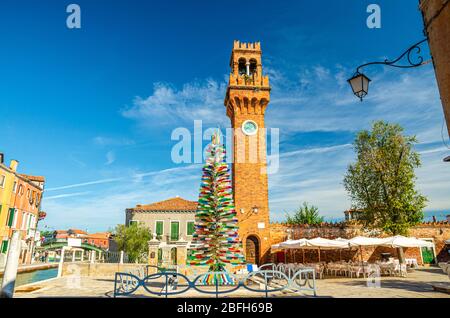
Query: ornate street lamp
point(360, 82)
point(360, 85)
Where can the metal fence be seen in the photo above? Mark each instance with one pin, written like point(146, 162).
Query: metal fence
point(80, 255)
point(112, 257)
point(170, 283)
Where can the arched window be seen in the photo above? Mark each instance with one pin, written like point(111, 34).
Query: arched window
point(242, 67)
point(253, 67)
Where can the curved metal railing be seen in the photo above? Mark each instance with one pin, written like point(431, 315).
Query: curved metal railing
point(271, 278)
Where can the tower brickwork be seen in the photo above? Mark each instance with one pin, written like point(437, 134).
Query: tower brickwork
point(247, 97)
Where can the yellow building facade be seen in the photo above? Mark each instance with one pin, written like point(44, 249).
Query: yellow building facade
point(8, 180)
point(20, 203)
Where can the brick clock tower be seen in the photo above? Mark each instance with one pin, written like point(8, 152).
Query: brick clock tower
point(247, 97)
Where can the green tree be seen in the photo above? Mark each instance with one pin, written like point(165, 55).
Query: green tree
point(382, 181)
point(305, 214)
point(46, 233)
point(133, 240)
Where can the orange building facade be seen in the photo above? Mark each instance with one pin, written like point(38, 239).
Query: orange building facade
point(22, 213)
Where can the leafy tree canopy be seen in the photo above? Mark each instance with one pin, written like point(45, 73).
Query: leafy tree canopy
point(382, 181)
point(133, 240)
point(305, 214)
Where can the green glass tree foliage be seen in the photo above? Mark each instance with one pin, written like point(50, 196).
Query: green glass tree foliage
point(216, 238)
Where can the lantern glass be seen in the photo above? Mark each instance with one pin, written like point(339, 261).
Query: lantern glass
point(360, 85)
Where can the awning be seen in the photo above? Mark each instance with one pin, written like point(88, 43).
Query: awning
point(367, 241)
point(294, 244)
point(324, 243)
point(402, 241)
point(358, 241)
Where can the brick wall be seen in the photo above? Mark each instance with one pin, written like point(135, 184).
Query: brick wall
point(436, 17)
point(439, 232)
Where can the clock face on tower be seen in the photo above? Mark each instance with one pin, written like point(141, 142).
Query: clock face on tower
point(249, 127)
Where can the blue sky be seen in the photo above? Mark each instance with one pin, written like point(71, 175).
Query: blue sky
point(93, 109)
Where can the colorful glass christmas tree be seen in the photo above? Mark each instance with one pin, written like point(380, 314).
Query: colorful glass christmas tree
point(216, 238)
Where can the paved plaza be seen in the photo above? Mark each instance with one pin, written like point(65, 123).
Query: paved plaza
point(417, 284)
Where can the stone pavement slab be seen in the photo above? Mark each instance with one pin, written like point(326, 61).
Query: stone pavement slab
point(418, 284)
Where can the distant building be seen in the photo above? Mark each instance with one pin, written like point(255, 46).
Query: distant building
point(20, 203)
point(101, 240)
point(170, 221)
point(77, 233)
point(353, 215)
point(60, 235)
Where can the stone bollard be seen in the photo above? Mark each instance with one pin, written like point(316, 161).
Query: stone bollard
point(92, 257)
point(61, 261)
point(12, 263)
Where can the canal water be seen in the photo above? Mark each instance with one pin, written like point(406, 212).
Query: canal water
point(36, 276)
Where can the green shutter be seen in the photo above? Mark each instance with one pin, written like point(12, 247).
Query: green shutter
point(159, 228)
point(11, 217)
point(174, 231)
point(0, 209)
point(190, 228)
point(4, 247)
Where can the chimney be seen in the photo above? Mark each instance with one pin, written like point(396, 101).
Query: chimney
point(13, 165)
point(2, 157)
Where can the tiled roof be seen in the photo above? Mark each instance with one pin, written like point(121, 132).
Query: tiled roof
point(33, 178)
point(173, 204)
point(103, 235)
point(76, 231)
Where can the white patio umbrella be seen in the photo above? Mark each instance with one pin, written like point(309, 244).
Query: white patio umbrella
point(294, 243)
point(367, 241)
point(360, 241)
point(326, 244)
point(402, 241)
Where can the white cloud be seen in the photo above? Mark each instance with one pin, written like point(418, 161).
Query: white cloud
point(111, 141)
point(167, 105)
point(82, 184)
point(105, 208)
point(66, 195)
point(110, 157)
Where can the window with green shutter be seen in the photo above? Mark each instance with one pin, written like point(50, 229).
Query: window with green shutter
point(159, 228)
point(133, 222)
point(0, 209)
point(11, 217)
point(4, 247)
point(174, 231)
point(190, 228)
